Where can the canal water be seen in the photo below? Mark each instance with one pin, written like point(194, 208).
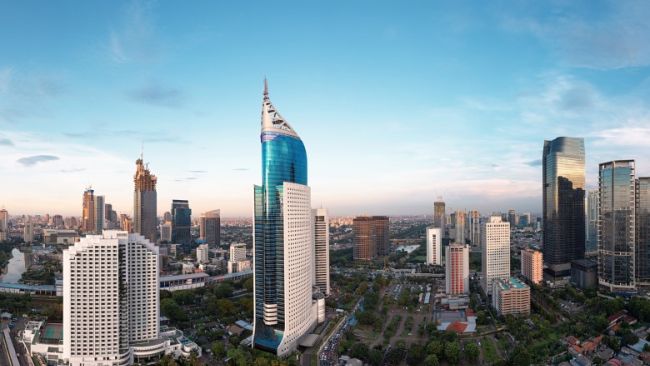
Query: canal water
point(15, 268)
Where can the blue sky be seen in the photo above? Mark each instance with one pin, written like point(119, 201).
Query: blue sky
point(397, 102)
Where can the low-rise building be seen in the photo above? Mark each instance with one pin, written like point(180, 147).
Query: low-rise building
point(511, 296)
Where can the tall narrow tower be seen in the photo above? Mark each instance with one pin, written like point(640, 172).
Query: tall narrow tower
point(283, 238)
point(321, 250)
point(145, 202)
point(88, 224)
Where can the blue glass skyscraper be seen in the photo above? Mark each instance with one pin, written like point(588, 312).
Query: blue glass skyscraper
point(282, 238)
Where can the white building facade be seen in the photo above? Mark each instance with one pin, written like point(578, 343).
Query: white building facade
point(202, 253)
point(495, 236)
point(111, 300)
point(321, 250)
point(434, 246)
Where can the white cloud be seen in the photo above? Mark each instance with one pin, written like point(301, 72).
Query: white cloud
point(135, 40)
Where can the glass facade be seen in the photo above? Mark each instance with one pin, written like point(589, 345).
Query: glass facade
point(563, 165)
point(643, 231)
point(616, 226)
point(182, 222)
point(284, 159)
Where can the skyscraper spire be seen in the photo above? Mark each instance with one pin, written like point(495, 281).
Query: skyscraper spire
point(266, 89)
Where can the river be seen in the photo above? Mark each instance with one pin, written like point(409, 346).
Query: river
point(15, 268)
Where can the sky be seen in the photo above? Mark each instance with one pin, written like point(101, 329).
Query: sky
point(398, 102)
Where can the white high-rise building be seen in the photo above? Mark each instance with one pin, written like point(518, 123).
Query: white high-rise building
point(202, 253)
point(111, 300)
point(457, 269)
point(28, 232)
point(495, 236)
point(237, 261)
point(434, 246)
point(321, 250)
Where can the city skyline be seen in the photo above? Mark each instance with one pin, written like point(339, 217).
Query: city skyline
point(390, 111)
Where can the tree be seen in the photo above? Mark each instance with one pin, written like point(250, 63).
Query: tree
point(435, 347)
point(239, 357)
point(218, 349)
point(431, 360)
point(415, 355)
point(248, 285)
point(375, 357)
point(359, 350)
point(223, 290)
point(520, 357)
point(452, 352)
point(472, 351)
point(170, 309)
point(168, 360)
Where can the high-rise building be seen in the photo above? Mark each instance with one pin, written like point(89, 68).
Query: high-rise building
point(210, 227)
point(495, 238)
point(321, 250)
point(282, 238)
point(511, 297)
point(145, 202)
point(616, 227)
point(202, 255)
point(99, 214)
point(111, 300)
point(439, 215)
point(460, 227)
point(4, 225)
point(371, 237)
point(532, 265)
point(563, 200)
point(457, 269)
point(591, 240)
point(434, 246)
point(28, 232)
point(167, 216)
point(166, 232)
point(643, 231)
point(88, 223)
point(237, 252)
point(512, 218)
point(181, 222)
point(474, 226)
point(58, 222)
point(126, 224)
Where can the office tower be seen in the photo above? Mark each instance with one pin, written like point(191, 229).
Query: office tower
point(181, 222)
point(111, 300)
point(495, 236)
point(591, 239)
point(282, 238)
point(145, 202)
point(210, 227)
point(99, 214)
point(88, 224)
point(474, 226)
point(28, 232)
point(58, 222)
point(126, 224)
point(563, 197)
point(642, 225)
point(166, 232)
point(202, 255)
point(532, 265)
point(457, 269)
point(511, 297)
point(108, 212)
point(460, 227)
point(512, 218)
point(371, 237)
point(434, 246)
point(167, 216)
point(439, 215)
point(616, 227)
point(524, 220)
point(321, 250)
point(4, 225)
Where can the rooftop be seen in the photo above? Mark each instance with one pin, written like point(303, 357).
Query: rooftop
point(511, 283)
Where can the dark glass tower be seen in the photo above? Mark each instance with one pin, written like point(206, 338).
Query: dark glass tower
point(181, 222)
point(283, 241)
point(616, 226)
point(563, 165)
point(643, 231)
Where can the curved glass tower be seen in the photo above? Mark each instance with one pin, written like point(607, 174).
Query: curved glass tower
point(282, 238)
